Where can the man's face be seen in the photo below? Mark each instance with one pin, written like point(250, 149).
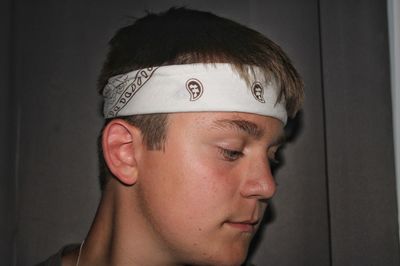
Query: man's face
point(203, 197)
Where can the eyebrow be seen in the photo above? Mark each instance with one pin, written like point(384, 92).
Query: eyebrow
point(247, 127)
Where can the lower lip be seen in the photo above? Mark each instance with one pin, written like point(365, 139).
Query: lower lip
point(244, 227)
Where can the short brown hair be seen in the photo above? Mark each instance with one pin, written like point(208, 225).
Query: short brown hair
point(184, 36)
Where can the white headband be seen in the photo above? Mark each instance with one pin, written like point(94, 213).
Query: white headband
point(192, 88)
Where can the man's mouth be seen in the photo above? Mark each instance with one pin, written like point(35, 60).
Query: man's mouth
point(249, 226)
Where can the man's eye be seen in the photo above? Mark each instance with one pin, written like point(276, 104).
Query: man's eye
point(273, 163)
point(231, 155)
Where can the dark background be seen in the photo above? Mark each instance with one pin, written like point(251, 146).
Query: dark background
point(336, 201)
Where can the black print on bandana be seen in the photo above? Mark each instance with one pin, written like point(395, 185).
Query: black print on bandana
point(123, 89)
point(258, 92)
point(195, 88)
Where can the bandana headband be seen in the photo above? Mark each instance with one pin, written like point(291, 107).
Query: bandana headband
point(192, 88)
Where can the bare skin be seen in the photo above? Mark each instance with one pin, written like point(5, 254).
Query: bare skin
point(197, 202)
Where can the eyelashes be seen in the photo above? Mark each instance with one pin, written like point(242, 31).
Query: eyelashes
point(233, 155)
point(274, 164)
point(230, 155)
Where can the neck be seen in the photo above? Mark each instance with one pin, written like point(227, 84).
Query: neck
point(118, 235)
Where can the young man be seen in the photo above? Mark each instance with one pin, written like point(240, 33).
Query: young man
point(195, 109)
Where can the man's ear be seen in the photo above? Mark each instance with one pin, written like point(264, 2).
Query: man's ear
point(122, 143)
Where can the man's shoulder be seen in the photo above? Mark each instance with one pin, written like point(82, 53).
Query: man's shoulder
point(55, 259)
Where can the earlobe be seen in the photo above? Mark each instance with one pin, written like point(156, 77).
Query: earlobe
point(121, 143)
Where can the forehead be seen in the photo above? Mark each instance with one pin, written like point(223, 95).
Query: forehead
point(253, 125)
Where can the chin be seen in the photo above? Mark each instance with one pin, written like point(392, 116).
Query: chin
point(231, 258)
point(231, 261)
point(231, 253)
point(222, 259)
point(234, 260)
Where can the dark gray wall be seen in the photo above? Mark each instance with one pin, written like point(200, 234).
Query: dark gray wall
point(336, 201)
point(359, 133)
point(8, 129)
point(59, 51)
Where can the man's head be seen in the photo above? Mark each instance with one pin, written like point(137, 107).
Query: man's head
point(198, 177)
point(182, 36)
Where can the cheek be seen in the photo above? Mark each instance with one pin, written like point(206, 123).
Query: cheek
point(186, 201)
point(196, 186)
point(200, 187)
point(207, 178)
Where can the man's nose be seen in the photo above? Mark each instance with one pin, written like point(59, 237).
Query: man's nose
point(259, 182)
